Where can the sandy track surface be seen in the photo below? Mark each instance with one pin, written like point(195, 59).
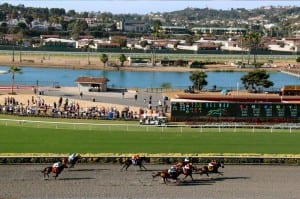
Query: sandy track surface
point(106, 181)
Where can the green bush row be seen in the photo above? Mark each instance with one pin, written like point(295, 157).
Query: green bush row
point(154, 160)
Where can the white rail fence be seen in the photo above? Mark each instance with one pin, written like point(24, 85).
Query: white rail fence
point(216, 127)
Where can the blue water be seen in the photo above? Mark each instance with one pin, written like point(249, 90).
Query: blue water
point(134, 79)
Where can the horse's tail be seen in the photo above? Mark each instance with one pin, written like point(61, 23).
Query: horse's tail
point(155, 175)
point(123, 160)
point(46, 170)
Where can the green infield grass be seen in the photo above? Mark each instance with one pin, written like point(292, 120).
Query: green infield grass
point(50, 136)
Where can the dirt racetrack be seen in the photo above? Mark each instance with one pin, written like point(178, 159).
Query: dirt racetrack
point(106, 181)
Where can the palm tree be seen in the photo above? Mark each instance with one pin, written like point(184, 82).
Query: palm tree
point(90, 43)
point(104, 59)
point(12, 70)
point(122, 59)
point(252, 40)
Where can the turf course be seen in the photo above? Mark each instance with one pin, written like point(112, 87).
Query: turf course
point(121, 139)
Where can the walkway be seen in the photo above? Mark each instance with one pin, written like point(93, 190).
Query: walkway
point(293, 72)
point(142, 100)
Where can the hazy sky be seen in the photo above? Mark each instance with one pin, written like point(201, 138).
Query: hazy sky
point(146, 6)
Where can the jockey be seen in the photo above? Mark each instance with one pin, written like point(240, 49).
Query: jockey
point(211, 165)
point(173, 170)
point(135, 158)
point(55, 166)
point(186, 161)
point(72, 157)
point(186, 168)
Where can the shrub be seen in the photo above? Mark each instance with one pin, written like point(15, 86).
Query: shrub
point(197, 64)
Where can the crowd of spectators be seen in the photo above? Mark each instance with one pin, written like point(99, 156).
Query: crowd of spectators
point(63, 108)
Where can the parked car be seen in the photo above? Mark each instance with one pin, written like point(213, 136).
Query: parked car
point(150, 120)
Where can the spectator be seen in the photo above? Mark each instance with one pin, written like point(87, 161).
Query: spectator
point(135, 97)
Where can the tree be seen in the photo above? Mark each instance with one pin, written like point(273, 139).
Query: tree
point(22, 25)
point(28, 20)
point(256, 79)
point(122, 59)
point(156, 28)
point(252, 41)
point(90, 43)
point(104, 59)
point(12, 70)
point(198, 79)
point(144, 43)
point(77, 27)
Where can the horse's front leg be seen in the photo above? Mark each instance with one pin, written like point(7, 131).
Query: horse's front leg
point(165, 180)
point(142, 166)
point(207, 174)
point(185, 177)
point(56, 175)
point(46, 173)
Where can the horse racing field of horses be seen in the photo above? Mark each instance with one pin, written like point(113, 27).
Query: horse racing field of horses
point(126, 137)
point(106, 181)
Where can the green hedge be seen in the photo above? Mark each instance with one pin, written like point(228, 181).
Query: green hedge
point(154, 160)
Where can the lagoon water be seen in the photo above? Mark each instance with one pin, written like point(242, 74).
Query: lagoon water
point(134, 79)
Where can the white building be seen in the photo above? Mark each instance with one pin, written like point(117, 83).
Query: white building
point(286, 45)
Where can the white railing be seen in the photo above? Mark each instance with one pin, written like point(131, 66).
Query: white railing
point(219, 127)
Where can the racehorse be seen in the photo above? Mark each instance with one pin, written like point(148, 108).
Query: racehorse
point(165, 175)
point(205, 169)
point(139, 162)
point(73, 161)
point(50, 169)
point(189, 172)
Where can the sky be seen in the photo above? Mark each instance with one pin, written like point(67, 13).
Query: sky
point(147, 6)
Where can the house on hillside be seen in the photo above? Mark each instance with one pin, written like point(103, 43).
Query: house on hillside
point(285, 45)
point(56, 42)
point(92, 84)
point(132, 26)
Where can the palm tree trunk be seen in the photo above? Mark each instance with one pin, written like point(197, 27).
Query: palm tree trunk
point(12, 83)
point(248, 56)
point(254, 57)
